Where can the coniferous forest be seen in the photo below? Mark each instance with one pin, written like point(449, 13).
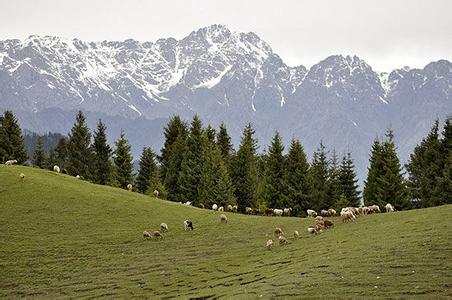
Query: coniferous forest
point(199, 164)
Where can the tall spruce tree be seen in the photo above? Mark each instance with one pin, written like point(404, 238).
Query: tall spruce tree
point(210, 134)
point(424, 167)
point(245, 172)
point(171, 132)
point(148, 168)
point(58, 155)
point(122, 172)
point(225, 146)
point(298, 184)
point(348, 181)
point(215, 184)
point(11, 139)
point(334, 185)
point(391, 187)
point(374, 172)
point(319, 179)
point(102, 152)
point(39, 158)
point(275, 169)
point(174, 167)
point(192, 162)
point(78, 148)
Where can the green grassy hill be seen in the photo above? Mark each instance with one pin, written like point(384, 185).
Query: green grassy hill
point(60, 236)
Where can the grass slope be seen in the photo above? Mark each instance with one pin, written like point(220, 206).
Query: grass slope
point(60, 236)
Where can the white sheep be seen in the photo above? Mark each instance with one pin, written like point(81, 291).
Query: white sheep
point(311, 213)
point(312, 230)
point(278, 231)
point(157, 235)
point(164, 227)
point(269, 244)
point(22, 176)
point(278, 212)
point(331, 212)
point(389, 208)
point(78, 176)
point(223, 219)
point(229, 207)
point(10, 162)
point(56, 169)
point(221, 208)
point(296, 235)
point(214, 207)
point(156, 193)
point(146, 235)
point(188, 203)
point(129, 187)
point(248, 210)
point(287, 211)
point(283, 240)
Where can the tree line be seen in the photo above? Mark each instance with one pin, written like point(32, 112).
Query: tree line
point(199, 164)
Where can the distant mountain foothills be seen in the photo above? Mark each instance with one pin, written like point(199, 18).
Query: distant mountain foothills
point(221, 76)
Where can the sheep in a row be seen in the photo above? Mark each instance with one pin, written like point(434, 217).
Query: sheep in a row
point(56, 169)
point(389, 208)
point(10, 162)
point(311, 213)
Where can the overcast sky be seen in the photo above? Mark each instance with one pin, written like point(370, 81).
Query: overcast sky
point(388, 34)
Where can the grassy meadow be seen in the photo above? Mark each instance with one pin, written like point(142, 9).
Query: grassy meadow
point(61, 237)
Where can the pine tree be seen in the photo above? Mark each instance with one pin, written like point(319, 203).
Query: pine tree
point(173, 168)
point(391, 187)
point(102, 165)
point(148, 168)
point(225, 146)
point(442, 193)
point(78, 148)
point(192, 163)
point(171, 132)
point(59, 155)
point(375, 171)
point(210, 134)
point(275, 168)
point(319, 176)
point(334, 184)
point(298, 184)
point(424, 167)
point(11, 139)
point(123, 167)
point(215, 184)
point(348, 181)
point(39, 158)
point(245, 172)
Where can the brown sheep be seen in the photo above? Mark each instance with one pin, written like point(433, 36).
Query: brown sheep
point(328, 223)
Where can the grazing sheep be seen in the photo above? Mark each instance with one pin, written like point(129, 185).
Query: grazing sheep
point(311, 213)
point(64, 171)
point(221, 208)
point(78, 176)
point(200, 205)
point(328, 223)
point(256, 211)
point(324, 213)
point(235, 208)
point(248, 210)
point(374, 209)
point(156, 193)
point(157, 235)
point(283, 240)
point(22, 176)
point(319, 218)
point(10, 162)
point(269, 244)
point(319, 227)
point(214, 207)
point(129, 187)
point(278, 212)
point(312, 230)
point(146, 235)
point(347, 216)
point(269, 211)
point(331, 212)
point(164, 227)
point(278, 231)
point(389, 208)
point(366, 210)
point(188, 203)
point(223, 219)
point(188, 225)
point(287, 211)
point(229, 207)
point(56, 169)
point(296, 235)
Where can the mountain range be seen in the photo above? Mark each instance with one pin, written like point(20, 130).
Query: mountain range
point(220, 75)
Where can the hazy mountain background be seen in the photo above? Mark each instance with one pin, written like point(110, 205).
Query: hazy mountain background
point(222, 76)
